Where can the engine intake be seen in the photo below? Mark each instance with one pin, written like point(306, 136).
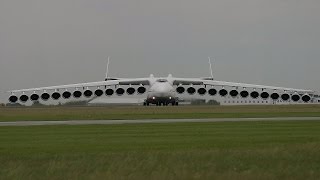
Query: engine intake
point(212, 92)
point(275, 96)
point(306, 98)
point(34, 97)
point(142, 90)
point(191, 90)
point(295, 97)
point(66, 95)
point(131, 90)
point(264, 95)
point(244, 94)
point(56, 95)
point(24, 98)
point(13, 99)
point(45, 96)
point(234, 93)
point(77, 94)
point(109, 92)
point(88, 93)
point(223, 92)
point(98, 92)
point(180, 90)
point(120, 91)
point(254, 94)
point(202, 91)
point(285, 97)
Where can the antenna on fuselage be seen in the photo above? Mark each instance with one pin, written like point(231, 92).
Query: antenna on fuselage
point(107, 72)
point(210, 65)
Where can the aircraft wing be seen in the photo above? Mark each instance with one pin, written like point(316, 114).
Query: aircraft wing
point(195, 81)
point(136, 81)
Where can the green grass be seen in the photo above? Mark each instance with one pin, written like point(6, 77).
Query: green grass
point(224, 150)
point(140, 112)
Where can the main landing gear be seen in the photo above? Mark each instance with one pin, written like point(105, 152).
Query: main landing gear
point(162, 104)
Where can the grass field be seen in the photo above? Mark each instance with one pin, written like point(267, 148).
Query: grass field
point(140, 112)
point(224, 150)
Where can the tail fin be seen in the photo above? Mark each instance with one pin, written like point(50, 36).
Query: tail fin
point(107, 72)
point(210, 68)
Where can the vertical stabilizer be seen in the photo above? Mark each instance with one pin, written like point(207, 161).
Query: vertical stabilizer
point(107, 72)
point(210, 65)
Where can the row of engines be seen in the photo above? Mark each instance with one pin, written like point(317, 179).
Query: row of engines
point(180, 90)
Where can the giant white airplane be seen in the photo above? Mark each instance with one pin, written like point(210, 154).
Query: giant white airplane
point(161, 91)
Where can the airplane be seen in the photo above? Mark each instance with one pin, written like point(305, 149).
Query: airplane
point(162, 90)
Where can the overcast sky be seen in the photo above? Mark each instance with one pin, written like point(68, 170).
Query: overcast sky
point(53, 42)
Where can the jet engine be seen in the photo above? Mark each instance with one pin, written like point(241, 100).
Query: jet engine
point(45, 96)
point(24, 98)
point(98, 92)
point(120, 91)
point(285, 97)
point(254, 94)
point(13, 99)
point(295, 97)
point(66, 95)
point(191, 90)
point(180, 90)
point(202, 91)
point(56, 95)
point(109, 92)
point(131, 90)
point(77, 94)
point(88, 93)
point(212, 92)
point(142, 90)
point(275, 96)
point(223, 92)
point(306, 98)
point(264, 95)
point(34, 97)
point(234, 93)
point(244, 94)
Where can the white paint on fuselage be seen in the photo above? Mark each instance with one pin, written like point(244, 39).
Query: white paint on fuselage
point(161, 89)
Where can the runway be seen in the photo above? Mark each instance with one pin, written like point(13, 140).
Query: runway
point(151, 121)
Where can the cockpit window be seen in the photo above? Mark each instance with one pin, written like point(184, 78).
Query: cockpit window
point(162, 80)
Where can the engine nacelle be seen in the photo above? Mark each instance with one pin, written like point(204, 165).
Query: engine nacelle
point(77, 94)
point(13, 99)
point(306, 98)
point(264, 95)
point(275, 96)
point(142, 90)
point(234, 93)
point(98, 92)
point(212, 92)
point(34, 97)
point(202, 91)
point(56, 96)
point(295, 97)
point(24, 98)
point(66, 95)
point(109, 92)
point(285, 97)
point(191, 90)
point(88, 93)
point(254, 94)
point(120, 91)
point(180, 90)
point(244, 94)
point(223, 92)
point(45, 96)
point(131, 91)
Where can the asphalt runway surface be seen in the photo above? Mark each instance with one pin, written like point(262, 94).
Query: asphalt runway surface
point(152, 121)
